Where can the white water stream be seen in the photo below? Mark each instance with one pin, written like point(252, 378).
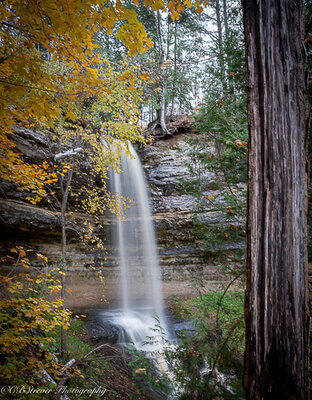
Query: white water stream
point(141, 289)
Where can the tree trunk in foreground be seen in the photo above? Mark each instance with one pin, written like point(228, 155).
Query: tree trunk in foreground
point(65, 193)
point(63, 278)
point(277, 312)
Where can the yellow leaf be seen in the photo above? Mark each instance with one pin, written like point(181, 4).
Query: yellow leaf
point(139, 371)
point(144, 76)
point(199, 10)
point(70, 115)
point(149, 42)
point(22, 253)
point(42, 257)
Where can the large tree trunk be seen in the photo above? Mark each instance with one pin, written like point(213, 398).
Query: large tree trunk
point(277, 312)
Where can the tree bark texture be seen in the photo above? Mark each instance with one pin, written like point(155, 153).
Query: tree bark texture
point(277, 305)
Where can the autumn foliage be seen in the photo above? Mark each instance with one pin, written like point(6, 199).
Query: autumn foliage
point(30, 314)
point(49, 58)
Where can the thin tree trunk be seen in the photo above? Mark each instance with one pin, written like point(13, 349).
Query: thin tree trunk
point(65, 192)
point(168, 37)
point(174, 68)
point(220, 45)
point(225, 18)
point(276, 307)
point(152, 113)
point(63, 281)
point(229, 82)
point(159, 36)
point(163, 113)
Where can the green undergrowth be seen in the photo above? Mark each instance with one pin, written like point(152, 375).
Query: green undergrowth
point(221, 311)
point(231, 301)
point(217, 344)
point(76, 340)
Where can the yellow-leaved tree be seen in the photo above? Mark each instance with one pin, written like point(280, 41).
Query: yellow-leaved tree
point(29, 317)
point(48, 58)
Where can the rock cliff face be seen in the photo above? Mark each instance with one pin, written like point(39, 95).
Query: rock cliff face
point(185, 263)
point(183, 260)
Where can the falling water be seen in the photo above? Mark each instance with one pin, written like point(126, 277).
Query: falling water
point(141, 291)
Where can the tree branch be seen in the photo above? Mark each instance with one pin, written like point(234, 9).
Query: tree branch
point(72, 152)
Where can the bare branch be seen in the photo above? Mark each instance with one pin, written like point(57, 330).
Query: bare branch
point(72, 152)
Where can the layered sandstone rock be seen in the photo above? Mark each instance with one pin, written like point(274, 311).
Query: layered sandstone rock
point(183, 259)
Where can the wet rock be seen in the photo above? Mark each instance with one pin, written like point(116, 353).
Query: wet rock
point(9, 190)
point(18, 216)
point(186, 327)
point(102, 332)
point(35, 145)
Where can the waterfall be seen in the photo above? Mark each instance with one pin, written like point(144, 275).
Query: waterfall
point(141, 290)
